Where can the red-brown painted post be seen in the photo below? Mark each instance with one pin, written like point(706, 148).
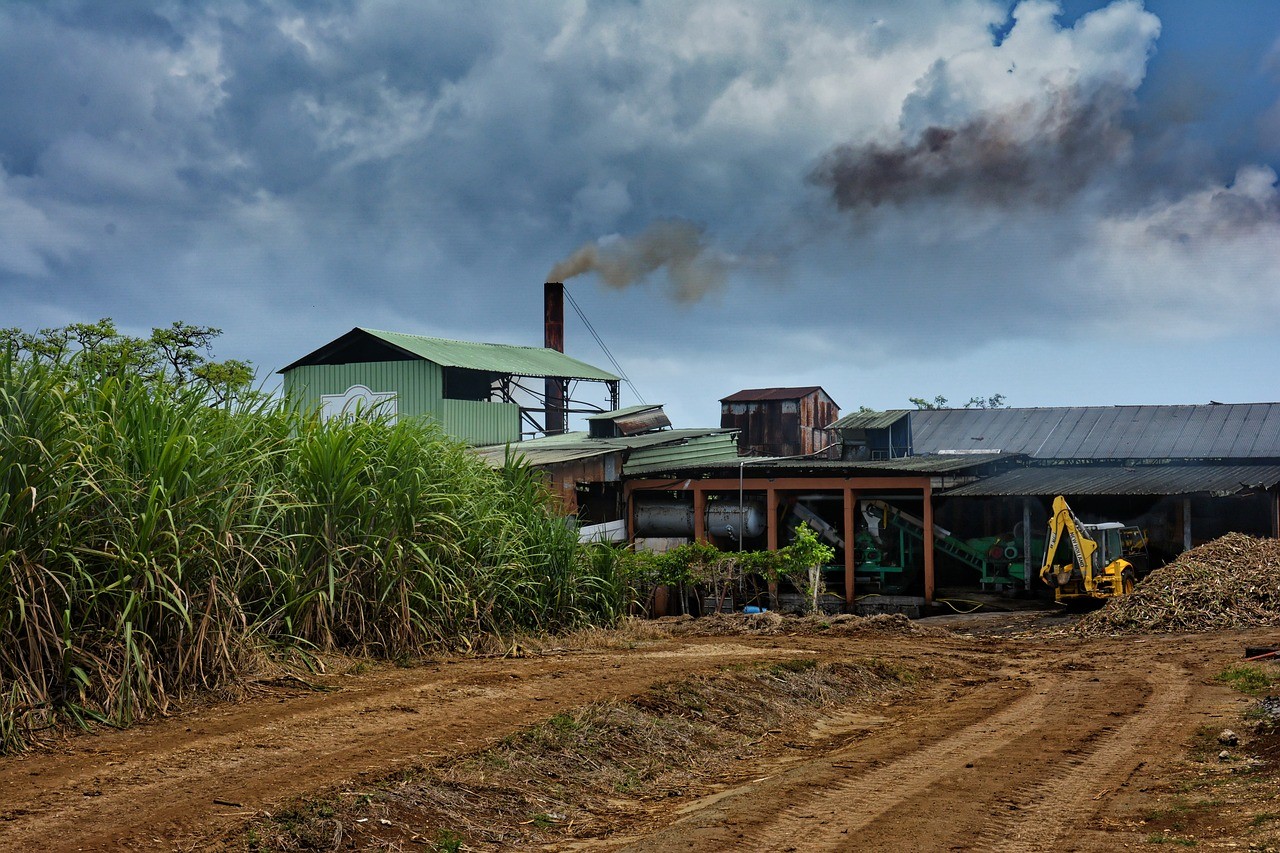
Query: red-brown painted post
point(850, 503)
point(699, 515)
point(553, 338)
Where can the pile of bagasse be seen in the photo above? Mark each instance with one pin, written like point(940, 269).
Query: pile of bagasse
point(1232, 582)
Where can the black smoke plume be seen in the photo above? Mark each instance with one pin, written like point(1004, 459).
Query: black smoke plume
point(1034, 153)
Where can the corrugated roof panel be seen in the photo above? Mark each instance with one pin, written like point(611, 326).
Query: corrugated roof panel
point(1106, 432)
point(1186, 440)
point(836, 468)
point(494, 358)
point(1031, 431)
point(624, 411)
point(699, 450)
point(1095, 444)
point(579, 445)
point(1128, 431)
point(1231, 425)
point(1246, 437)
point(1115, 480)
point(1268, 435)
point(1060, 425)
point(870, 420)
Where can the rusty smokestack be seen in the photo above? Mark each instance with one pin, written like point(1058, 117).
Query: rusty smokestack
point(553, 338)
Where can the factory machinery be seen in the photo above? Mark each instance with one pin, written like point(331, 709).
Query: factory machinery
point(893, 538)
point(888, 550)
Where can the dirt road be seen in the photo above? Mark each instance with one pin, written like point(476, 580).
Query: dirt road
point(1032, 744)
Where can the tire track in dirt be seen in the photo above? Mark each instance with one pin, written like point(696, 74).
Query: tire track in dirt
point(871, 793)
point(1077, 788)
point(148, 787)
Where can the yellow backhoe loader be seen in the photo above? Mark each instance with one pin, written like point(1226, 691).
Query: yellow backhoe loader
point(1103, 557)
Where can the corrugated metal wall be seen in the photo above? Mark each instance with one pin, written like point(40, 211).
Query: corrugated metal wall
point(481, 423)
point(419, 388)
point(781, 427)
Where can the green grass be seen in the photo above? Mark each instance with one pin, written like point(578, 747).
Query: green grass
point(152, 546)
point(1160, 838)
point(448, 841)
point(793, 666)
point(1252, 680)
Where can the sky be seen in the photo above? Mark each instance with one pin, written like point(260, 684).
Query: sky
point(1064, 203)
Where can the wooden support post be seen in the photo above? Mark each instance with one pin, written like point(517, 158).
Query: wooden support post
point(928, 544)
point(1026, 542)
point(699, 515)
point(1275, 514)
point(1186, 524)
point(771, 520)
point(850, 504)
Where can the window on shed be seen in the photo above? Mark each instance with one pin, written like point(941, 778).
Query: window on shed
point(463, 384)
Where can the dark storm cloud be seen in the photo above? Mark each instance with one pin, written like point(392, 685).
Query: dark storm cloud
point(299, 166)
point(1039, 152)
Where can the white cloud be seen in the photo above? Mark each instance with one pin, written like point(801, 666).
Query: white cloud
point(1197, 267)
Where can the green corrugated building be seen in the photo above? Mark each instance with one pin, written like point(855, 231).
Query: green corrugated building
point(471, 389)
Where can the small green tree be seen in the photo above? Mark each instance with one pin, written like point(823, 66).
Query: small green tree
point(178, 356)
point(995, 401)
point(802, 563)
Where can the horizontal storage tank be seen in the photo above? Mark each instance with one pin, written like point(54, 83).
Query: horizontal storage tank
point(724, 518)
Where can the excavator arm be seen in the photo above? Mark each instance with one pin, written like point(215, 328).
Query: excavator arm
point(1062, 523)
point(1083, 577)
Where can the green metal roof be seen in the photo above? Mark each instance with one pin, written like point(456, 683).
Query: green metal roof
point(469, 355)
point(870, 420)
point(570, 446)
point(494, 358)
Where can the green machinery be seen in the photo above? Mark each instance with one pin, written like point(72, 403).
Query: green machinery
point(893, 540)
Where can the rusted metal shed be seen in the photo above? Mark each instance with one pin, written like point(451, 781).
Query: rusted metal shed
point(780, 421)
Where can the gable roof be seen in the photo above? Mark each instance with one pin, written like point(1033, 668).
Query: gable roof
point(754, 395)
point(1218, 431)
point(491, 358)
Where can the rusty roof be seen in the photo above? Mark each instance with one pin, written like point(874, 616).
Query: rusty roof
point(754, 395)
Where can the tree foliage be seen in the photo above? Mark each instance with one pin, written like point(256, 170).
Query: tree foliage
point(174, 357)
point(995, 401)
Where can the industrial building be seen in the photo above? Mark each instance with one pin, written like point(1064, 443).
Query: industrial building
point(982, 480)
point(912, 500)
point(779, 421)
point(477, 392)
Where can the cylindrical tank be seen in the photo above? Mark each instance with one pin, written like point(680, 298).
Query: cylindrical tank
point(724, 518)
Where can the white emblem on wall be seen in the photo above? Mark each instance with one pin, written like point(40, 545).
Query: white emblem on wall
point(359, 400)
